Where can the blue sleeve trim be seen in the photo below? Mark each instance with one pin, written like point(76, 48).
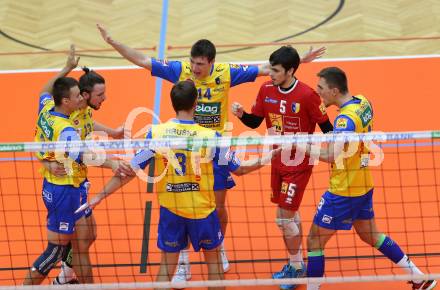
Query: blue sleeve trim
point(344, 123)
point(168, 70)
point(243, 74)
point(141, 159)
point(43, 98)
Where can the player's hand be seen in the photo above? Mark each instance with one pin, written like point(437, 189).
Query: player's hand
point(55, 167)
point(311, 55)
point(237, 109)
point(104, 33)
point(72, 60)
point(92, 203)
point(123, 168)
point(118, 133)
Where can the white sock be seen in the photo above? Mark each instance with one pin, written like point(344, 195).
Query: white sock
point(184, 257)
point(408, 266)
point(66, 274)
point(297, 259)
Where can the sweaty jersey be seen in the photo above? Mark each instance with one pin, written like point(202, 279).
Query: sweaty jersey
point(54, 126)
point(189, 176)
point(296, 110)
point(81, 119)
point(212, 106)
point(350, 176)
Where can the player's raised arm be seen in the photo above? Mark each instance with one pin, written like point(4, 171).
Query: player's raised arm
point(128, 53)
point(311, 55)
point(71, 63)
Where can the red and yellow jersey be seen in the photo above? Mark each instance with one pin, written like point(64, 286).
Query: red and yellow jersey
point(296, 110)
point(212, 107)
point(54, 126)
point(350, 175)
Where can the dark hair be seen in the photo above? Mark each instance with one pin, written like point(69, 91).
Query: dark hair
point(203, 48)
point(335, 78)
point(61, 89)
point(286, 56)
point(89, 79)
point(183, 95)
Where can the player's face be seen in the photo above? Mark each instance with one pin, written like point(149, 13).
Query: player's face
point(200, 66)
point(96, 96)
point(75, 99)
point(279, 76)
point(325, 92)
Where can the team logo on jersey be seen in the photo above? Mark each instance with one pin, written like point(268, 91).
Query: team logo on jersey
point(217, 80)
point(270, 100)
point(76, 122)
point(276, 121)
point(295, 108)
point(284, 187)
point(341, 123)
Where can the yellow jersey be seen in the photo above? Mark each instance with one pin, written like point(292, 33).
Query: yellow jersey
point(190, 176)
point(351, 176)
point(212, 107)
point(54, 126)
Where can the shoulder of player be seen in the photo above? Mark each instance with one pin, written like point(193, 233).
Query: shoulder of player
point(305, 88)
point(268, 85)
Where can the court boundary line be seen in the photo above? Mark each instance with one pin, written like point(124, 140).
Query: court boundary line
point(129, 67)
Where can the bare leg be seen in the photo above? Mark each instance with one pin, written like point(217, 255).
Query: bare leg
point(220, 200)
point(80, 255)
point(168, 265)
point(33, 277)
point(215, 269)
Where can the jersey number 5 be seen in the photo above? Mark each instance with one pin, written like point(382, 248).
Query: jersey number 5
point(282, 106)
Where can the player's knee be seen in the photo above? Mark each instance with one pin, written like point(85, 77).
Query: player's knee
point(288, 227)
point(50, 257)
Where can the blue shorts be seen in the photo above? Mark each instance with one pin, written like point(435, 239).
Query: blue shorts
point(61, 201)
point(339, 212)
point(174, 232)
point(222, 178)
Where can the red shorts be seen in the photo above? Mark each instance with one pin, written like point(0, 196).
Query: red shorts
point(288, 187)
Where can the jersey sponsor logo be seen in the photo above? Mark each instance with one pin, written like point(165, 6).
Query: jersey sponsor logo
point(366, 116)
point(218, 80)
point(183, 187)
point(342, 123)
point(291, 124)
point(172, 244)
point(276, 121)
point(64, 226)
point(270, 100)
point(208, 108)
point(327, 219)
point(322, 109)
point(206, 242)
point(295, 108)
point(45, 127)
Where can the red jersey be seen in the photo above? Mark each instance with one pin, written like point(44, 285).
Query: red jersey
point(297, 110)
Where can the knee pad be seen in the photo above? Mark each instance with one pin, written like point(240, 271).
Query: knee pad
point(288, 227)
point(50, 257)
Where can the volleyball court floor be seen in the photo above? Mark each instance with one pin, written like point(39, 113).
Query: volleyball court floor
point(405, 98)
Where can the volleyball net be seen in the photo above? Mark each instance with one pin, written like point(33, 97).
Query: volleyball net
point(405, 168)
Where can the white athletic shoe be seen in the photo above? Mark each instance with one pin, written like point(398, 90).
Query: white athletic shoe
point(225, 262)
point(66, 276)
point(183, 273)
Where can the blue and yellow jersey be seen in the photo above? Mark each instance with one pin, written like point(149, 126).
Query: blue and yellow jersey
point(81, 119)
point(212, 107)
point(350, 175)
point(54, 126)
point(190, 176)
